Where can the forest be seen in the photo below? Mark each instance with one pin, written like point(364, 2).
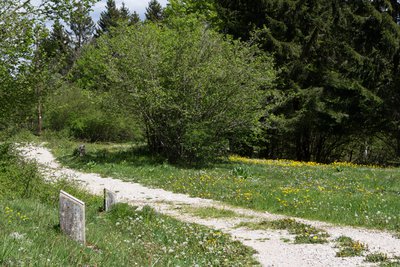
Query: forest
point(307, 80)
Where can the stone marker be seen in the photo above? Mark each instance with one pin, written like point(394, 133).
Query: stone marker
point(72, 217)
point(82, 150)
point(109, 199)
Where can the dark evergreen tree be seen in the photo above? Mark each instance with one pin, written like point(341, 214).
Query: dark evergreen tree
point(112, 16)
point(57, 48)
point(335, 59)
point(108, 18)
point(124, 12)
point(134, 18)
point(154, 12)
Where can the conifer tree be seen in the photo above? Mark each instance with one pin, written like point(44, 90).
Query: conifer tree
point(108, 18)
point(336, 59)
point(154, 12)
point(58, 48)
point(134, 18)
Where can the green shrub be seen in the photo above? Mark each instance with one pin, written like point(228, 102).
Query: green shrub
point(17, 178)
point(88, 117)
point(194, 90)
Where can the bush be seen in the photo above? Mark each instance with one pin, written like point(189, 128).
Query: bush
point(87, 117)
point(17, 177)
point(195, 90)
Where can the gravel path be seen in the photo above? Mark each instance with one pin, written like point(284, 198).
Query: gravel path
point(270, 244)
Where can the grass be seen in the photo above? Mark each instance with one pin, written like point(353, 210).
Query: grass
point(211, 212)
point(341, 193)
point(349, 248)
point(376, 257)
point(305, 234)
point(395, 262)
point(125, 236)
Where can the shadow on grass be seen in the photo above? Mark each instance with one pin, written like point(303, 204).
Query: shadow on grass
point(135, 156)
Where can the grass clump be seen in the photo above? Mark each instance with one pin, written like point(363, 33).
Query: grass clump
point(126, 236)
point(305, 234)
point(394, 262)
point(349, 248)
point(376, 257)
point(211, 212)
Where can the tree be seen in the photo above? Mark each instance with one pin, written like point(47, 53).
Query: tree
point(18, 20)
point(194, 91)
point(108, 18)
point(81, 24)
point(202, 10)
point(75, 14)
point(134, 18)
point(154, 12)
point(335, 59)
point(58, 48)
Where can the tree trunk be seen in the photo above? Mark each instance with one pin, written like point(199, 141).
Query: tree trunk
point(39, 111)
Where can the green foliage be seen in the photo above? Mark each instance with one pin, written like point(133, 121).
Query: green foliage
point(337, 61)
point(81, 24)
point(204, 11)
point(20, 30)
point(194, 91)
point(87, 116)
point(17, 178)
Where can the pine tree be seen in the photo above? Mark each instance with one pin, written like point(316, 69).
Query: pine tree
point(134, 18)
point(154, 12)
point(108, 18)
point(335, 59)
point(124, 12)
point(57, 48)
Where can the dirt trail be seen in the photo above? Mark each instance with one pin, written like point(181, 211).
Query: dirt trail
point(270, 244)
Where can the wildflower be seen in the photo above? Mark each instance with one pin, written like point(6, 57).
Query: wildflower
point(17, 235)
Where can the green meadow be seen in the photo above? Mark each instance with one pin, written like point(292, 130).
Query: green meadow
point(341, 193)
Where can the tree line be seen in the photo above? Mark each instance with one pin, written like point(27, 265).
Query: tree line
point(307, 80)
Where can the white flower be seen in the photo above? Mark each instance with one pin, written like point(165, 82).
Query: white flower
point(17, 235)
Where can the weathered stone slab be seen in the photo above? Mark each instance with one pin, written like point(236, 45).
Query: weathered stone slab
point(72, 217)
point(110, 199)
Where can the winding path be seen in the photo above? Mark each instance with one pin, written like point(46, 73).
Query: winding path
point(270, 244)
